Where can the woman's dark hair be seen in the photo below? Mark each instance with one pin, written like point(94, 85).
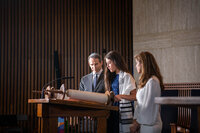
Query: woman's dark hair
point(149, 68)
point(119, 63)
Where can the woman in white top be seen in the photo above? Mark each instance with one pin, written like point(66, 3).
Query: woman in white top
point(147, 114)
point(118, 79)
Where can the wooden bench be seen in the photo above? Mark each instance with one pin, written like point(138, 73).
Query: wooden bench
point(184, 112)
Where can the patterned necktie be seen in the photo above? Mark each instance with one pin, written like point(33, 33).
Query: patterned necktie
point(95, 80)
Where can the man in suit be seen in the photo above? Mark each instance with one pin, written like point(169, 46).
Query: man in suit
point(93, 82)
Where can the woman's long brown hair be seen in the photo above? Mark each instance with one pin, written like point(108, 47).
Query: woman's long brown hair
point(149, 68)
point(119, 63)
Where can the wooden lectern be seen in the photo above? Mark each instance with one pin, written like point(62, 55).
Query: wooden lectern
point(48, 111)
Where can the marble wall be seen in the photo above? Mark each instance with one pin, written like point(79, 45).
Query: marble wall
point(170, 30)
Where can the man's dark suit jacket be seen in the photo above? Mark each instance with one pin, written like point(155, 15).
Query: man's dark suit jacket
point(86, 83)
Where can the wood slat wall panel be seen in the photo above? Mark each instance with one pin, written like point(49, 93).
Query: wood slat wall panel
point(1, 50)
point(31, 31)
point(5, 61)
point(15, 57)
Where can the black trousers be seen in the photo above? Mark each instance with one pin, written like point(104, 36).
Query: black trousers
point(113, 122)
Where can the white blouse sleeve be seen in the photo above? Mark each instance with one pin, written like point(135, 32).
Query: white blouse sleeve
point(148, 110)
point(128, 85)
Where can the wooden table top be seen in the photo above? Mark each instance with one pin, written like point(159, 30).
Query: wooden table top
point(74, 102)
point(182, 101)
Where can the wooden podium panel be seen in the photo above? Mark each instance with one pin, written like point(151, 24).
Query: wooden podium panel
point(49, 110)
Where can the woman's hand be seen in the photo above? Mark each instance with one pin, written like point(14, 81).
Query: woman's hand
point(130, 97)
point(118, 98)
point(107, 93)
point(135, 127)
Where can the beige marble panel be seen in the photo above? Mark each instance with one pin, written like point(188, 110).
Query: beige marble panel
point(185, 14)
point(197, 63)
point(151, 16)
point(186, 37)
point(167, 39)
point(155, 16)
point(170, 30)
point(177, 64)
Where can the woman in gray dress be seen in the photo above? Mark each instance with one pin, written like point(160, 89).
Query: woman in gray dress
point(147, 114)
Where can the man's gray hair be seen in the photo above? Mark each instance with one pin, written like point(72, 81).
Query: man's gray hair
point(94, 55)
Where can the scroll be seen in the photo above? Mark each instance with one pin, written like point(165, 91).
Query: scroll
point(105, 98)
point(88, 96)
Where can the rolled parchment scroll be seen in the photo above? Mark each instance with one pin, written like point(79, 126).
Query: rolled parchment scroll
point(88, 96)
